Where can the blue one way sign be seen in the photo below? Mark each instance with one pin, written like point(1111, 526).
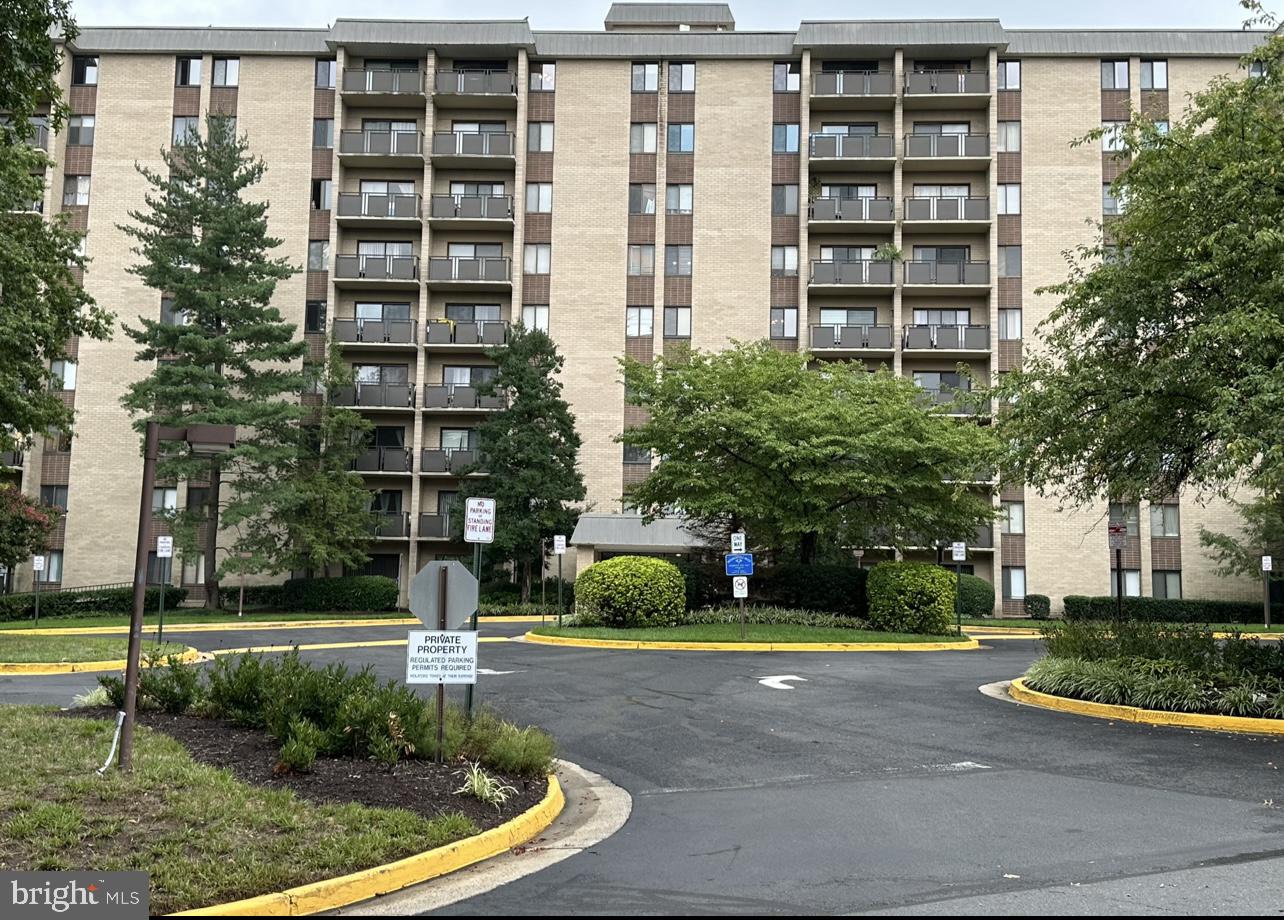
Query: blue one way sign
point(739, 563)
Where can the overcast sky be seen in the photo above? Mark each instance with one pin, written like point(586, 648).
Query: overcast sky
point(588, 14)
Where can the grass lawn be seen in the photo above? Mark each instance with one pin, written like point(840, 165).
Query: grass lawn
point(204, 836)
point(184, 616)
point(730, 632)
point(73, 648)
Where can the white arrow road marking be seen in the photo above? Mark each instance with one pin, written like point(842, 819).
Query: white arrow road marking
point(778, 682)
point(489, 671)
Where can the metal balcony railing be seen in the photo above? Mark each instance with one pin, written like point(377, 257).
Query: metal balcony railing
point(947, 338)
point(459, 396)
point(477, 82)
point(950, 396)
point(947, 208)
point(855, 272)
point(378, 204)
point(375, 331)
point(383, 460)
point(359, 80)
point(946, 82)
point(489, 207)
point(850, 337)
point(853, 146)
point(389, 523)
point(472, 143)
point(10, 459)
point(459, 268)
point(434, 526)
point(355, 266)
point(947, 145)
point(382, 143)
point(854, 83)
point(947, 272)
point(447, 459)
point(471, 332)
point(377, 395)
point(851, 209)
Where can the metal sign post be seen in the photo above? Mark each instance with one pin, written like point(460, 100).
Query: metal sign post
point(479, 528)
point(1118, 537)
point(164, 552)
point(959, 552)
point(442, 578)
point(739, 566)
point(1267, 565)
point(37, 566)
point(740, 590)
point(559, 550)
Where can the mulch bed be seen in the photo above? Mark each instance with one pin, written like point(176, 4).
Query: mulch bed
point(421, 786)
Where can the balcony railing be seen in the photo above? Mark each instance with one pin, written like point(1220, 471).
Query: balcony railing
point(477, 82)
point(10, 459)
point(459, 396)
point(947, 272)
point(375, 331)
point(389, 523)
point(447, 459)
point(948, 338)
point(472, 143)
point(851, 209)
point(434, 526)
point(850, 337)
point(854, 83)
point(948, 208)
point(947, 145)
point(458, 268)
point(376, 268)
point(984, 537)
point(950, 396)
point(372, 204)
point(853, 146)
point(946, 82)
point(357, 80)
point(382, 143)
point(472, 332)
point(856, 272)
point(39, 137)
point(383, 460)
point(377, 395)
point(477, 207)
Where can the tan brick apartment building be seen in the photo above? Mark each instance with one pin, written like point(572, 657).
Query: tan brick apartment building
point(668, 179)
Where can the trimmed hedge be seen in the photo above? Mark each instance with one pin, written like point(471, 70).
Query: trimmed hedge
point(351, 593)
point(976, 596)
point(825, 588)
point(71, 602)
point(911, 597)
point(1038, 606)
point(256, 596)
point(1166, 610)
point(630, 591)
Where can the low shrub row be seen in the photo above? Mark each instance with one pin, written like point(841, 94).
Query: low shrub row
point(771, 616)
point(1169, 610)
point(351, 593)
point(71, 602)
point(497, 591)
point(1187, 644)
point(1038, 606)
point(836, 589)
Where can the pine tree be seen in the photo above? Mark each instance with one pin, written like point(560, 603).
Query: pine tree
point(231, 359)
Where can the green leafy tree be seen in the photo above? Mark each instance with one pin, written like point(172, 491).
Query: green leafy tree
point(805, 457)
point(530, 450)
point(232, 359)
point(1262, 534)
point(24, 526)
point(42, 304)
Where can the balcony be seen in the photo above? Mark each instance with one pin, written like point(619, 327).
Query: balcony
point(474, 212)
point(383, 460)
point(381, 148)
point(373, 271)
point(851, 339)
point(476, 89)
point(39, 137)
point(390, 396)
point(389, 525)
point(383, 87)
point(947, 151)
point(475, 149)
point(942, 215)
point(446, 461)
point(948, 340)
point(958, 401)
point(459, 273)
point(398, 332)
point(434, 526)
point(947, 89)
point(864, 152)
point(830, 273)
point(459, 397)
point(841, 213)
point(369, 209)
point(853, 89)
point(472, 335)
point(11, 460)
point(943, 277)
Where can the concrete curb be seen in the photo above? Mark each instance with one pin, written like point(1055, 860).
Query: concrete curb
point(1239, 724)
point(46, 668)
point(334, 893)
point(636, 645)
point(235, 626)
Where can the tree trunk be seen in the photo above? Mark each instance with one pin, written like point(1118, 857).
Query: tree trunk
point(526, 581)
point(807, 548)
point(212, 600)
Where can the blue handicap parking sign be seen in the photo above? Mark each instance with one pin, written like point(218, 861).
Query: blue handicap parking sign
point(739, 563)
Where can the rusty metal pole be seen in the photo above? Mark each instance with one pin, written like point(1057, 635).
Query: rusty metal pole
point(150, 449)
point(441, 688)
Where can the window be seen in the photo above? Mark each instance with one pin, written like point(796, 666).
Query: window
point(637, 454)
point(318, 255)
point(784, 261)
point(1121, 512)
point(1012, 517)
point(1154, 75)
point(1009, 324)
point(62, 374)
point(1109, 203)
point(58, 442)
point(75, 191)
point(53, 564)
point(164, 498)
point(314, 316)
point(1257, 69)
point(327, 70)
point(54, 496)
point(642, 198)
point(1114, 74)
point(642, 138)
point(537, 258)
point(784, 200)
point(535, 317)
point(784, 138)
point(187, 71)
point(80, 130)
point(677, 260)
point(1013, 582)
point(787, 77)
point(681, 138)
point(186, 130)
point(1009, 137)
point(197, 498)
point(323, 133)
point(946, 317)
point(543, 77)
point(227, 71)
point(321, 194)
point(1132, 582)
point(84, 70)
point(1165, 521)
point(682, 78)
point(677, 322)
point(638, 321)
point(646, 78)
point(642, 259)
point(923, 190)
point(1009, 74)
point(1009, 261)
point(679, 199)
point(462, 312)
point(841, 316)
point(170, 316)
point(539, 137)
point(1166, 583)
point(784, 322)
point(539, 197)
point(193, 568)
point(1009, 198)
point(1112, 140)
point(1162, 125)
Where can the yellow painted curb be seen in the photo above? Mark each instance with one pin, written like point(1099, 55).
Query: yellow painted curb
point(45, 668)
point(1001, 630)
point(369, 883)
point(234, 626)
point(322, 646)
point(637, 645)
point(1242, 724)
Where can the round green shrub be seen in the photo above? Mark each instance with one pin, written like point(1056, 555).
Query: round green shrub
point(1038, 606)
point(976, 596)
point(630, 591)
point(911, 597)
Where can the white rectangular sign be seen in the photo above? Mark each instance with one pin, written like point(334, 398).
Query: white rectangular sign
point(1266, 563)
point(559, 545)
point(37, 563)
point(434, 657)
point(740, 586)
point(959, 551)
point(164, 547)
point(738, 542)
point(479, 520)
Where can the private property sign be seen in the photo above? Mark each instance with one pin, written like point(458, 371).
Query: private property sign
point(436, 657)
point(479, 520)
